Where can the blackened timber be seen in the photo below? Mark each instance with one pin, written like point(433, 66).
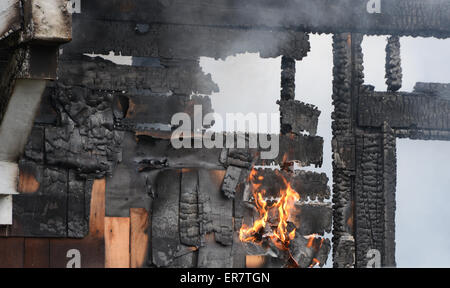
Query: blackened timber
point(231, 181)
point(305, 150)
point(182, 41)
point(298, 117)
point(313, 218)
point(404, 110)
point(43, 213)
point(370, 199)
point(178, 77)
point(434, 89)
point(148, 108)
point(216, 226)
point(416, 134)
point(309, 185)
point(215, 210)
point(389, 188)
point(85, 140)
point(128, 188)
point(149, 149)
point(393, 64)
point(166, 246)
point(403, 18)
point(347, 79)
point(189, 216)
point(77, 210)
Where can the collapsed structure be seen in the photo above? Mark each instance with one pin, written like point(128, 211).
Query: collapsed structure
point(99, 184)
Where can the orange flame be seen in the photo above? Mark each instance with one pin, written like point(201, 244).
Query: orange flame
point(314, 263)
point(281, 237)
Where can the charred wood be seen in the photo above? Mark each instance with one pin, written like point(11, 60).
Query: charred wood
point(298, 117)
point(287, 78)
point(413, 111)
point(393, 64)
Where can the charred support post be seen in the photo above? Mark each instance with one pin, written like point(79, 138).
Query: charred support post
point(389, 188)
point(364, 160)
point(287, 78)
point(347, 79)
point(393, 64)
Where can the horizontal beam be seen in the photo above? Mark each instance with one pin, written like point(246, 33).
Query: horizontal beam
point(183, 77)
point(404, 110)
point(298, 117)
point(309, 185)
point(182, 41)
point(406, 17)
point(303, 150)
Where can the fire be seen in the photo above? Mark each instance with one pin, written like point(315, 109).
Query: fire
point(314, 263)
point(278, 232)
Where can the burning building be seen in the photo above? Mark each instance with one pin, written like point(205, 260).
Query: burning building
point(92, 180)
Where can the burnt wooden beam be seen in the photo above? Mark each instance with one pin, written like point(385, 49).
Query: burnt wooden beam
point(91, 248)
point(348, 77)
point(167, 250)
point(178, 77)
point(404, 111)
point(128, 187)
point(165, 237)
point(422, 134)
point(304, 150)
point(216, 226)
point(189, 209)
point(85, 139)
point(149, 149)
point(288, 70)
point(147, 108)
point(313, 218)
point(44, 212)
point(215, 210)
point(309, 185)
point(298, 117)
point(389, 190)
point(393, 64)
point(440, 90)
point(370, 198)
point(407, 17)
point(78, 205)
point(182, 41)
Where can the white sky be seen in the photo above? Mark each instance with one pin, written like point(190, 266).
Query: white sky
point(251, 84)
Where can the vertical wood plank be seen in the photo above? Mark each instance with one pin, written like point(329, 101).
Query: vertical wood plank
point(11, 252)
point(97, 218)
point(117, 242)
point(37, 253)
point(91, 248)
point(139, 218)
